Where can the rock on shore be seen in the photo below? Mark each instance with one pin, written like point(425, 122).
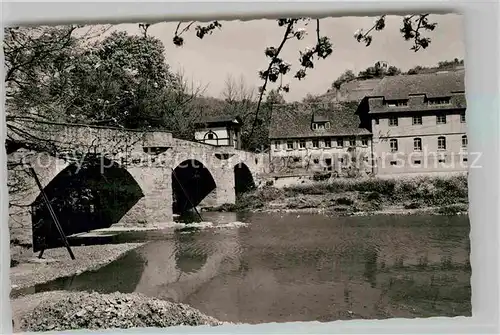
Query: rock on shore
point(82, 310)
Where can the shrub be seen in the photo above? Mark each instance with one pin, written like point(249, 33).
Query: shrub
point(321, 176)
point(374, 197)
point(412, 205)
point(344, 201)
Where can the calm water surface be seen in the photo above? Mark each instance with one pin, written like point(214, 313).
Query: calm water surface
point(305, 267)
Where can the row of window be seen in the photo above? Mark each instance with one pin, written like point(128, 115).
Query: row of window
point(419, 162)
point(417, 120)
point(417, 143)
point(327, 143)
point(429, 101)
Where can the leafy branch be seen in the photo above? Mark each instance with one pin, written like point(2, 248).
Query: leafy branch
point(412, 25)
point(201, 31)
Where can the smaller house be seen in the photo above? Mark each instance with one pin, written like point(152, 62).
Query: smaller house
point(219, 131)
point(318, 137)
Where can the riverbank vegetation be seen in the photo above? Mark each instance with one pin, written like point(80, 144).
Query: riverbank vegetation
point(447, 196)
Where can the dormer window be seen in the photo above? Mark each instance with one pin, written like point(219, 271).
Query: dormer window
point(396, 103)
point(438, 101)
point(320, 125)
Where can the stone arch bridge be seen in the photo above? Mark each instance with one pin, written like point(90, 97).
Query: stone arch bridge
point(97, 177)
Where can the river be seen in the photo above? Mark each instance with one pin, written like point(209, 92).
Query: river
point(258, 267)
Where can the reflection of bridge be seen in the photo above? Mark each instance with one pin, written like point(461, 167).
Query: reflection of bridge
point(177, 268)
point(97, 177)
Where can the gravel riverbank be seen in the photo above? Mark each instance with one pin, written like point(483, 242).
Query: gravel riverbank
point(56, 263)
point(58, 311)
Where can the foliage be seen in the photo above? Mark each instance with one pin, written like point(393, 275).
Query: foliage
point(431, 191)
point(441, 66)
point(345, 77)
point(379, 70)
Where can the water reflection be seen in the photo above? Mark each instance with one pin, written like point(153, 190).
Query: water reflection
point(123, 275)
point(188, 258)
point(283, 268)
point(371, 256)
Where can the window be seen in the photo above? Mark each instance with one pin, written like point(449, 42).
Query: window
point(393, 121)
point(340, 142)
point(364, 142)
point(396, 103)
point(316, 161)
point(320, 126)
point(376, 121)
point(442, 160)
point(394, 163)
point(210, 136)
point(441, 143)
point(438, 101)
point(417, 120)
point(464, 159)
point(315, 143)
point(440, 119)
point(289, 145)
point(464, 141)
point(417, 144)
point(394, 145)
point(462, 117)
point(417, 162)
point(302, 144)
point(277, 145)
point(328, 163)
point(328, 143)
point(352, 142)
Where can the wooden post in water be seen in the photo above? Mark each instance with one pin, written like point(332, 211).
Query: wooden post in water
point(52, 214)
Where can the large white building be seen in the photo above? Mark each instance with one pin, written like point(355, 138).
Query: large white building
point(408, 124)
point(418, 123)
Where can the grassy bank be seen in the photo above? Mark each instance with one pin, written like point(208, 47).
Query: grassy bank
point(350, 196)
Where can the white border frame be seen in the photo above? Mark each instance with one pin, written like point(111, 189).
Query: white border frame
point(482, 90)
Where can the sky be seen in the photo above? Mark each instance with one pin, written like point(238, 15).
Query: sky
point(237, 50)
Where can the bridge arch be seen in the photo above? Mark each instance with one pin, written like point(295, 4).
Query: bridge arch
point(243, 178)
point(92, 195)
point(192, 183)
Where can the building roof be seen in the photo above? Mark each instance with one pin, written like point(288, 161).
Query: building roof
point(438, 84)
point(294, 120)
point(320, 117)
point(218, 120)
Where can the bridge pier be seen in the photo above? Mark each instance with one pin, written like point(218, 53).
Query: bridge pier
point(155, 207)
point(225, 191)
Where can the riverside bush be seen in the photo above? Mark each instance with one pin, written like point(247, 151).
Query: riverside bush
point(437, 191)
